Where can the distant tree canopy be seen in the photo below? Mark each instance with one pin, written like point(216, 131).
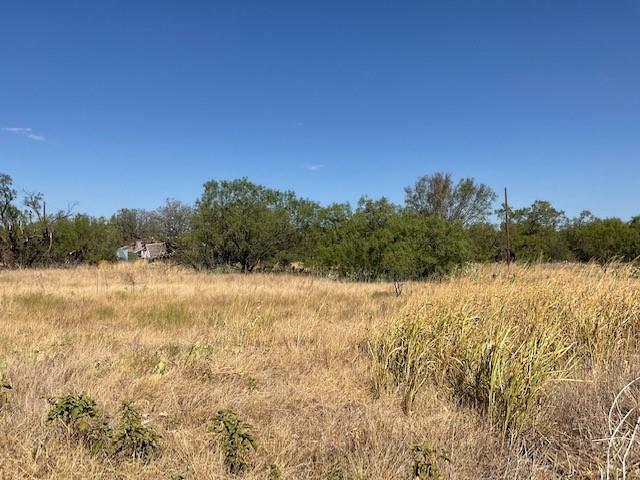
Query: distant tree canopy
point(382, 240)
point(466, 201)
point(237, 224)
point(603, 239)
point(535, 232)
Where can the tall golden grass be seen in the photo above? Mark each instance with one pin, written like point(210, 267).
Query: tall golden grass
point(510, 372)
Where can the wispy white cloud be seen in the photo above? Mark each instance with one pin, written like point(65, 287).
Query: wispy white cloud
point(25, 132)
point(313, 167)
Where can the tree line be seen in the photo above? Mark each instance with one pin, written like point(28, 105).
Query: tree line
point(237, 224)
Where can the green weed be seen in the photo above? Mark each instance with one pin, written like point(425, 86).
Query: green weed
point(274, 472)
point(236, 439)
point(133, 438)
point(81, 419)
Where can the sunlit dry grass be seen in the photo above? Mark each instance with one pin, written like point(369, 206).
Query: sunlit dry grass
point(292, 356)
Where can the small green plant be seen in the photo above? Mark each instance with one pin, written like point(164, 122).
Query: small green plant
point(334, 474)
point(274, 472)
point(81, 419)
point(428, 462)
point(236, 439)
point(252, 383)
point(133, 438)
point(198, 351)
point(72, 409)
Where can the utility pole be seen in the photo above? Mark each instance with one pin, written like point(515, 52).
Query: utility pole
point(506, 226)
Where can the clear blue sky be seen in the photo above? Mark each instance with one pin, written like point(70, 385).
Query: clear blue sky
point(125, 103)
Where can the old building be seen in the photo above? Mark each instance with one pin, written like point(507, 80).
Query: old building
point(142, 250)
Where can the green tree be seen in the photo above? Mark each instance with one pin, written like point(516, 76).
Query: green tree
point(535, 232)
point(423, 246)
point(11, 223)
point(240, 223)
point(136, 224)
point(604, 239)
point(83, 238)
point(487, 241)
point(325, 234)
point(26, 235)
point(173, 221)
point(380, 240)
point(466, 201)
point(634, 223)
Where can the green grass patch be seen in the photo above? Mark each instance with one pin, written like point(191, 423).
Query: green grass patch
point(40, 300)
point(170, 315)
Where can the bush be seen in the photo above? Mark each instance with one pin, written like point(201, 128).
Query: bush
point(133, 438)
point(236, 439)
point(82, 420)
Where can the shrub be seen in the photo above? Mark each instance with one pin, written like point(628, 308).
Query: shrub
point(82, 420)
point(236, 439)
point(133, 438)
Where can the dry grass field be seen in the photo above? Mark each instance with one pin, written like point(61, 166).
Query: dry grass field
point(496, 373)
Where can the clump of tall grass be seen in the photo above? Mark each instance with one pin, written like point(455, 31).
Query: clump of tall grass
point(498, 369)
point(604, 323)
point(411, 351)
point(503, 375)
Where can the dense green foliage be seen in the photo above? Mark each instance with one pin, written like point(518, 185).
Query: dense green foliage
point(236, 438)
point(381, 240)
point(82, 420)
point(133, 438)
point(241, 225)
